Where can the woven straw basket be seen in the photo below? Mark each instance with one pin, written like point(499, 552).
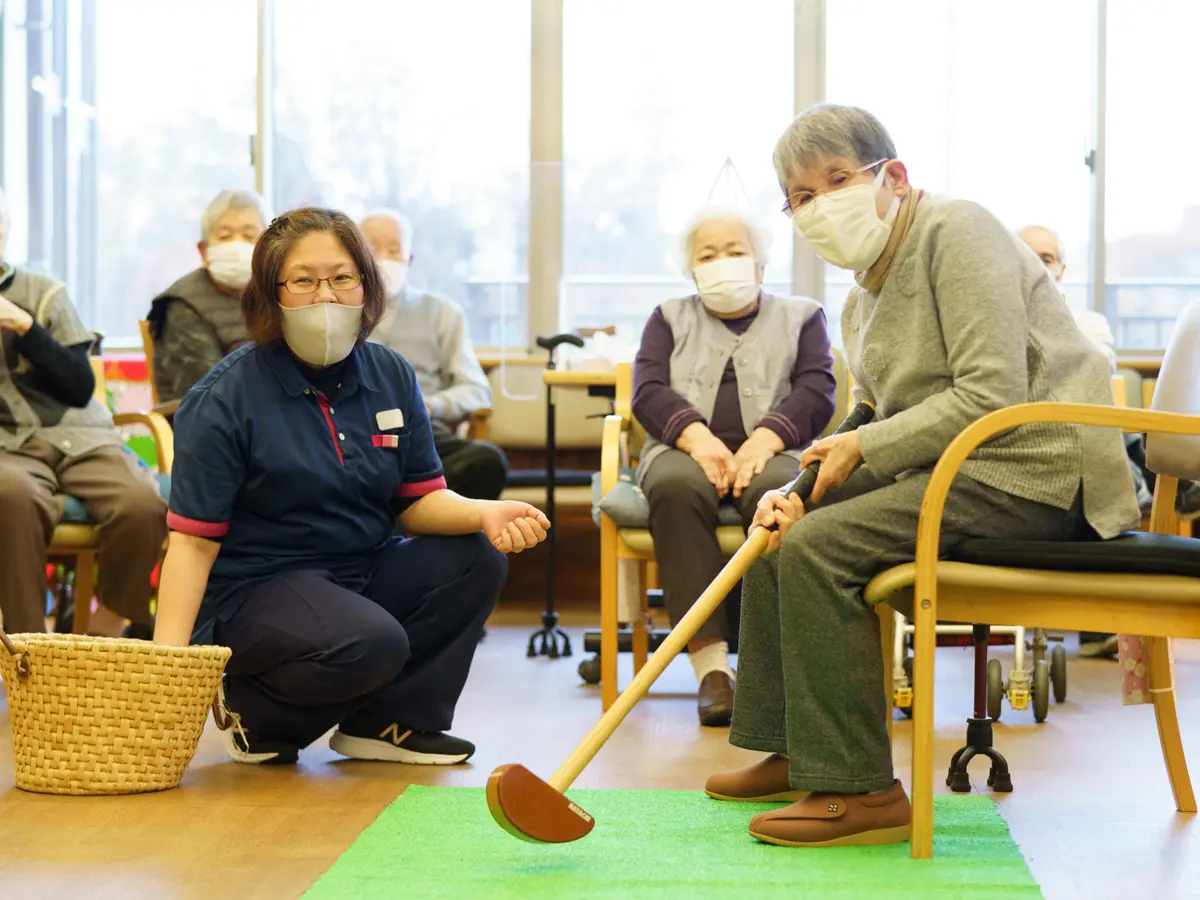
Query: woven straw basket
point(105, 715)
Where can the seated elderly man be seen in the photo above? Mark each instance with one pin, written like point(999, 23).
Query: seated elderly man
point(950, 318)
point(55, 438)
point(431, 333)
point(197, 321)
point(730, 384)
point(1045, 243)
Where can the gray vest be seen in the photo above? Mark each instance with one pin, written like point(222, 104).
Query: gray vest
point(25, 409)
point(763, 359)
point(219, 310)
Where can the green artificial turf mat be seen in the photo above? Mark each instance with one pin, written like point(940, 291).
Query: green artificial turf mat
point(442, 842)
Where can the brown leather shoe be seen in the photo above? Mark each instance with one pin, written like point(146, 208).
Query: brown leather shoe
point(763, 782)
point(838, 820)
point(715, 703)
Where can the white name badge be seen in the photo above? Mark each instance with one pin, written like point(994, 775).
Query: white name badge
point(389, 418)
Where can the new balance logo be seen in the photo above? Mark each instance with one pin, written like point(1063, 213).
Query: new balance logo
point(393, 733)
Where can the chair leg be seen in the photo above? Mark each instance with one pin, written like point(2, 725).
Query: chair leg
point(84, 590)
point(1162, 692)
point(887, 645)
point(924, 644)
point(608, 612)
point(640, 625)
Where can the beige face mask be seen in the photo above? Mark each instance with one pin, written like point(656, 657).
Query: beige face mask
point(321, 334)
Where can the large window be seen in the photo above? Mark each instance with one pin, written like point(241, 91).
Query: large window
point(986, 102)
point(119, 120)
point(1152, 213)
point(423, 107)
point(19, 69)
point(175, 107)
point(656, 96)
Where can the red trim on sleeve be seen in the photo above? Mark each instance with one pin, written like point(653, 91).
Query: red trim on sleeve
point(421, 488)
point(195, 527)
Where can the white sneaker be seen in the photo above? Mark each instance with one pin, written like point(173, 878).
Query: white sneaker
point(237, 742)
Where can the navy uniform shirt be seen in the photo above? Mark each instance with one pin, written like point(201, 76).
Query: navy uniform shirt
point(289, 479)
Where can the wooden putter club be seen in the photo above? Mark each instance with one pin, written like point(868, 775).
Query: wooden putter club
point(538, 811)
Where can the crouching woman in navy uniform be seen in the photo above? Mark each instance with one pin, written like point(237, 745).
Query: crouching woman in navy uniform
point(295, 456)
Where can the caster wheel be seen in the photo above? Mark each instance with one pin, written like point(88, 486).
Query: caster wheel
point(589, 670)
point(1058, 673)
point(908, 671)
point(1041, 690)
point(995, 689)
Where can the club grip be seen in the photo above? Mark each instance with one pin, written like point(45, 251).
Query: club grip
point(803, 483)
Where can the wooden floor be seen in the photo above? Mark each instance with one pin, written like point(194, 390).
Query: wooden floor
point(1091, 809)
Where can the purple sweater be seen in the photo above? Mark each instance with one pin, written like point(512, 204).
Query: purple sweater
point(797, 419)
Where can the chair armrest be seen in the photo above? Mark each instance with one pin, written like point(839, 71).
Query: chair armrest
point(164, 437)
point(166, 409)
point(477, 424)
point(611, 445)
point(930, 523)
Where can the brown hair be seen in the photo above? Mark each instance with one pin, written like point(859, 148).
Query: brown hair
point(260, 299)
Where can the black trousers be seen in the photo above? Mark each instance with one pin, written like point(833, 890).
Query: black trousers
point(308, 654)
point(475, 469)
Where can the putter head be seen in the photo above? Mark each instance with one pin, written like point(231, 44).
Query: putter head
point(530, 809)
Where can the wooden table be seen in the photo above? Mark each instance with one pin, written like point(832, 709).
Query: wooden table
point(1146, 366)
point(579, 378)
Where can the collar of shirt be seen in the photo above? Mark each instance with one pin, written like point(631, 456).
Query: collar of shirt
point(7, 274)
point(283, 365)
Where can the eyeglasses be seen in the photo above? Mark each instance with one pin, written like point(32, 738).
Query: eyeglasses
point(346, 281)
point(797, 201)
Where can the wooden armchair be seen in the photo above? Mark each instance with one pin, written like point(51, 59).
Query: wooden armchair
point(1139, 583)
point(75, 542)
point(620, 447)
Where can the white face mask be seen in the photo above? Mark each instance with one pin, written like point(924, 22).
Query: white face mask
point(727, 285)
point(844, 227)
point(321, 334)
point(229, 263)
point(395, 274)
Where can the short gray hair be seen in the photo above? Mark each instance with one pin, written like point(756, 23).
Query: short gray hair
point(828, 130)
point(403, 224)
point(1058, 244)
point(227, 200)
point(760, 237)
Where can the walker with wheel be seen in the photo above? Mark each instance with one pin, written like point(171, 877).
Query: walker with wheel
point(1024, 687)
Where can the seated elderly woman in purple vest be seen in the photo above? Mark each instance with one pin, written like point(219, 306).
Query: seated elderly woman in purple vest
point(197, 321)
point(730, 383)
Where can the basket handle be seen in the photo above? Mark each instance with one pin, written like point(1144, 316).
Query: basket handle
point(19, 658)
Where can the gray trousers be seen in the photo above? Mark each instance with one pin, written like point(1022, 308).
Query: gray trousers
point(810, 677)
point(683, 523)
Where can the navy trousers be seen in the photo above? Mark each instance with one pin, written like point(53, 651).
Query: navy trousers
point(309, 654)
